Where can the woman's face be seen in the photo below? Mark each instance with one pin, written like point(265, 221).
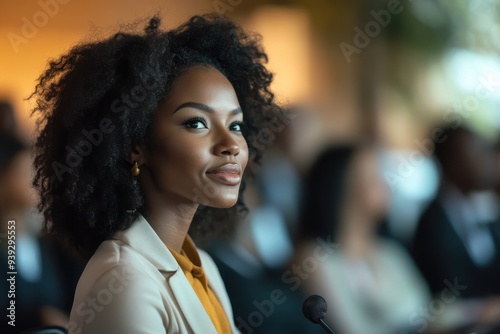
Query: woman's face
point(370, 188)
point(198, 153)
point(15, 182)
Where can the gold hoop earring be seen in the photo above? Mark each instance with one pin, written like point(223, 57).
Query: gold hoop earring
point(135, 170)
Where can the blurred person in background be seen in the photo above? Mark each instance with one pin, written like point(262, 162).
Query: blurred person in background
point(46, 275)
point(278, 178)
point(370, 283)
point(7, 119)
point(454, 239)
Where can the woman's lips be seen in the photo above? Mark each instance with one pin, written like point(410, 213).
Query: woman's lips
point(227, 174)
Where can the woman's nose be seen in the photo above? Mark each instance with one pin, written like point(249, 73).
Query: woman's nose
point(226, 145)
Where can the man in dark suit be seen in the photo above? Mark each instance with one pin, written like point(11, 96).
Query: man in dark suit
point(452, 245)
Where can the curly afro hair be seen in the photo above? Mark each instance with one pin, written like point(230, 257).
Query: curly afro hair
point(97, 101)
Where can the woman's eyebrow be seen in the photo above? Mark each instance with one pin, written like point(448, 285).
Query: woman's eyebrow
point(203, 107)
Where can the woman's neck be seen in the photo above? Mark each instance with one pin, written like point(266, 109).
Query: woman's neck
point(356, 235)
point(171, 222)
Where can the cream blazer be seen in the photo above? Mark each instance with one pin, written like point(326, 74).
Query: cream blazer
point(133, 285)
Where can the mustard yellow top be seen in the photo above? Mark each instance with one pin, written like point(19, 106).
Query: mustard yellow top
point(190, 263)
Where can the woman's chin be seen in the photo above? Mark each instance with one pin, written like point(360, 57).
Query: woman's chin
point(223, 203)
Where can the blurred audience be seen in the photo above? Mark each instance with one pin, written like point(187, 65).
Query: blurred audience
point(46, 274)
point(370, 283)
point(278, 180)
point(454, 238)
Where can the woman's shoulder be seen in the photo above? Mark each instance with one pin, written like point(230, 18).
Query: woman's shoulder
point(114, 253)
point(113, 263)
point(114, 279)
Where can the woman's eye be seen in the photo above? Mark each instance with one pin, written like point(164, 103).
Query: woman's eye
point(236, 126)
point(195, 124)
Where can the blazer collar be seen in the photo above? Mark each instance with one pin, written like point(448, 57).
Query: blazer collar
point(141, 236)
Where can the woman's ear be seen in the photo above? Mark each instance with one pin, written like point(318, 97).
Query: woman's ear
point(137, 153)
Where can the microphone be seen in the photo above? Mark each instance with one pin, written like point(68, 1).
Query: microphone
point(314, 309)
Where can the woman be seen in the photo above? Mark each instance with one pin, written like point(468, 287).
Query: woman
point(370, 283)
point(141, 137)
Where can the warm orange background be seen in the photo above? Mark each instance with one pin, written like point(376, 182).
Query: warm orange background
point(304, 68)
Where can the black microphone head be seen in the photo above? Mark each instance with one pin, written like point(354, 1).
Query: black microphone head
point(314, 308)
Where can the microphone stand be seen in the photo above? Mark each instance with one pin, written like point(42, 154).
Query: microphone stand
point(325, 326)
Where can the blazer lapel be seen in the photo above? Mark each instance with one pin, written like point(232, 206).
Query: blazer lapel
point(141, 236)
point(190, 305)
point(217, 285)
point(143, 239)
